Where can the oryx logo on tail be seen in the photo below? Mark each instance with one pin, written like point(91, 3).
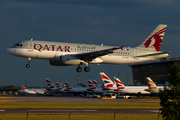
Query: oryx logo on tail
point(154, 40)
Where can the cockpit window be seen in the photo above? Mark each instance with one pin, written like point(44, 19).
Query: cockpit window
point(18, 45)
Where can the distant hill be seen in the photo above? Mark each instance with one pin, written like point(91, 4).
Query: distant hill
point(9, 88)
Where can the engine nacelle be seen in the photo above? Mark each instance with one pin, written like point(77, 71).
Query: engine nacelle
point(56, 63)
point(70, 60)
point(65, 60)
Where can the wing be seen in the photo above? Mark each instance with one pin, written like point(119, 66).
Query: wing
point(88, 56)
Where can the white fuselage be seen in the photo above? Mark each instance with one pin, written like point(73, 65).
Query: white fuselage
point(157, 90)
point(134, 90)
point(31, 91)
point(77, 89)
point(53, 50)
point(99, 90)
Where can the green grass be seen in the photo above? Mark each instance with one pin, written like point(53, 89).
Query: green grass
point(80, 105)
point(79, 117)
point(140, 104)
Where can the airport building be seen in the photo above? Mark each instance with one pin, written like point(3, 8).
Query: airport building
point(157, 70)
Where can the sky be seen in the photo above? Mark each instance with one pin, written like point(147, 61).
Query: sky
point(108, 22)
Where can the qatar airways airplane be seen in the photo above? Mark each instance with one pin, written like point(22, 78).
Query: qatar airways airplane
point(65, 54)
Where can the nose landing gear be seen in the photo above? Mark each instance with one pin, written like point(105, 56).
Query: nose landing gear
point(28, 65)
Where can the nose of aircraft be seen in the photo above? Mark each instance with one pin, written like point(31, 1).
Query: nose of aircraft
point(9, 50)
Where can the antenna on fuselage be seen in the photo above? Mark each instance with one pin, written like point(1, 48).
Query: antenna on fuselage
point(31, 39)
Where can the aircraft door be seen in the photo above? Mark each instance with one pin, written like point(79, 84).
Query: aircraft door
point(136, 53)
point(30, 46)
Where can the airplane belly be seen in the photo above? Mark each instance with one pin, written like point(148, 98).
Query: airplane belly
point(111, 59)
point(134, 90)
point(45, 55)
point(40, 55)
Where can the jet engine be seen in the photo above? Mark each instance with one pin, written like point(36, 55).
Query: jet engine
point(65, 60)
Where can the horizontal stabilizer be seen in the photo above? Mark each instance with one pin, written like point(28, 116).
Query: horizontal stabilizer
point(153, 54)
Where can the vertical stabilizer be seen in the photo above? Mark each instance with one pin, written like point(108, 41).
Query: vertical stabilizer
point(24, 88)
point(91, 85)
point(68, 86)
point(96, 84)
point(119, 84)
point(108, 84)
point(58, 86)
point(151, 85)
point(49, 84)
point(154, 40)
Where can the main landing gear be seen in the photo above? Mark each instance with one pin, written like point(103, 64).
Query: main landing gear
point(86, 69)
point(28, 65)
point(79, 69)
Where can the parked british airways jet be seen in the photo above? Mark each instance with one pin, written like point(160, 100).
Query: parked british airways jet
point(65, 54)
point(152, 86)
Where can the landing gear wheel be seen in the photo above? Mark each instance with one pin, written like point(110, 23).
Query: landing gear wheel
point(87, 69)
point(79, 69)
point(27, 65)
